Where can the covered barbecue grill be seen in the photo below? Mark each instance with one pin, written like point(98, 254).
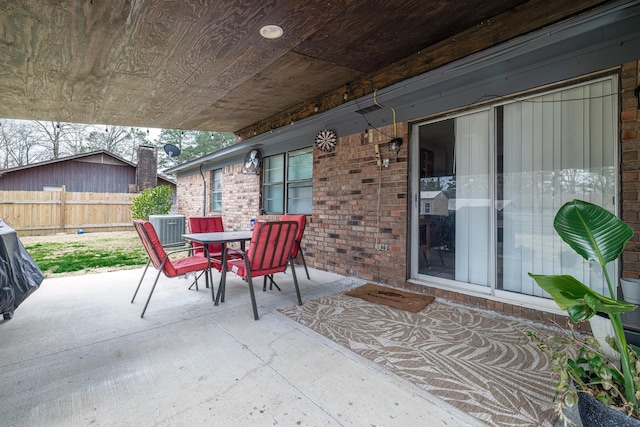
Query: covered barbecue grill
point(19, 274)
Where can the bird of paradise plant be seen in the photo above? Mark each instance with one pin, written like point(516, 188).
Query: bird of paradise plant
point(598, 236)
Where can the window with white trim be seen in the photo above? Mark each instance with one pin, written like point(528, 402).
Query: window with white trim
point(287, 182)
point(216, 190)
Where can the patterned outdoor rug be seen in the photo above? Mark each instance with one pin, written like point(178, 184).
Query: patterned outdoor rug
point(479, 362)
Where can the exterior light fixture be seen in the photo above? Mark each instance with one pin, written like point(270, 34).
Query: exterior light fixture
point(271, 32)
point(394, 145)
point(636, 92)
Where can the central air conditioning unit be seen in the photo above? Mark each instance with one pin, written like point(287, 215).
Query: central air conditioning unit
point(170, 228)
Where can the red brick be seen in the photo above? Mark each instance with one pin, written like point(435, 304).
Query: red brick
point(629, 115)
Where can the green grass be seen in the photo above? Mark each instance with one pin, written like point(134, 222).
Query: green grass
point(67, 257)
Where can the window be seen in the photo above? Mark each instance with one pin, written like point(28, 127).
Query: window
point(427, 208)
point(288, 182)
point(554, 148)
point(504, 172)
point(216, 190)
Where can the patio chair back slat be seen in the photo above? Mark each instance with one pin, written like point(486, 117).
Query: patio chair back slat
point(151, 242)
point(269, 253)
point(206, 224)
point(297, 249)
point(271, 247)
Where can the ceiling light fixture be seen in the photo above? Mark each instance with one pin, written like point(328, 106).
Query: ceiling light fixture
point(271, 32)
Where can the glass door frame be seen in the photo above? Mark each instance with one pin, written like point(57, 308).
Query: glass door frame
point(491, 291)
point(414, 184)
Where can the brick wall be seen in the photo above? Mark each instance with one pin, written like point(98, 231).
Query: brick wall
point(353, 198)
point(189, 192)
point(240, 197)
point(630, 165)
point(359, 206)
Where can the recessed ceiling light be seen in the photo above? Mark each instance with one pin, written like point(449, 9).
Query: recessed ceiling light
point(271, 31)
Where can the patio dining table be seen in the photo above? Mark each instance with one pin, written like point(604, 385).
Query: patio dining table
point(222, 237)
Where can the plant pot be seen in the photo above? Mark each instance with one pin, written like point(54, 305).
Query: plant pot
point(594, 413)
point(601, 327)
point(631, 290)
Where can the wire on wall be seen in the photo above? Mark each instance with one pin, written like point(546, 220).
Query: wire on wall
point(378, 206)
point(368, 134)
point(371, 126)
point(395, 125)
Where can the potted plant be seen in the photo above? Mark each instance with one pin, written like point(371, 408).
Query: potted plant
point(598, 236)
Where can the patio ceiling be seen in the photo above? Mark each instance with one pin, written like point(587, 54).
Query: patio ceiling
point(204, 66)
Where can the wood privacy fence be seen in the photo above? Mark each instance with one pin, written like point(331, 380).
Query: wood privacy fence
point(49, 212)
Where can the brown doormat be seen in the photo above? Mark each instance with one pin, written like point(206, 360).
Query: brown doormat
point(391, 297)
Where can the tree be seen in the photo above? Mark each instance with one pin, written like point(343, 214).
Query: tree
point(75, 138)
point(136, 138)
point(192, 145)
point(175, 137)
point(114, 139)
point(23, 142)
point(20, 144)
point(57, 138)
point(203, 143)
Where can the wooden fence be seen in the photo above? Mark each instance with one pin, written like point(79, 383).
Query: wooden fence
point(49, 212)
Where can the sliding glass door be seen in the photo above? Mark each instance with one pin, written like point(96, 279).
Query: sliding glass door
point(489, 182)
point(553, 148)
point(454, 210)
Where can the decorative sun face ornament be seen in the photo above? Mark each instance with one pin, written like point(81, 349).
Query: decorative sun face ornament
point(326, 140)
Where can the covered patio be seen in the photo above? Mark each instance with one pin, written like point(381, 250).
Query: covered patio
point(77, 353)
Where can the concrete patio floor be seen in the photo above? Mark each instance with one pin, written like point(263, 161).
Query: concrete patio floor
point(77, 353)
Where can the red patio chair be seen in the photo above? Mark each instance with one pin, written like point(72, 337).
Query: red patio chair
point(302, 223)
point(269, 253)
point(206, 224)
point(161, 261)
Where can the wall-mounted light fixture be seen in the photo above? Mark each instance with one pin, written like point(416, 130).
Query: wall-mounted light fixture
point(394, 145)
point(636, 92)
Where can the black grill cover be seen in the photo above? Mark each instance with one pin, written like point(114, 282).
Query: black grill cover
point(19, 274)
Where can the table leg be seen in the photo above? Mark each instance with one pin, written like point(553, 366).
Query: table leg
point(209, 278)
point(223, 277)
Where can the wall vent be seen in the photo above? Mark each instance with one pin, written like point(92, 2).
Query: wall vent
point(369, 109)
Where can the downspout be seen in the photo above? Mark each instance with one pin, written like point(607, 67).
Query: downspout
point(204, 193)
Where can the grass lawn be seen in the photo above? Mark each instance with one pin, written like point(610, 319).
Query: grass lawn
point(84, 253)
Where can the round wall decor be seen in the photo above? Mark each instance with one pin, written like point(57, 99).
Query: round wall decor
point(326, 140)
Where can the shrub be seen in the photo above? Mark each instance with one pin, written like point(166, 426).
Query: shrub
point(152, 201)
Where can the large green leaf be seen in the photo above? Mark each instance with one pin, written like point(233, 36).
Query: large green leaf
point(592, 231)
point(580, 301)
